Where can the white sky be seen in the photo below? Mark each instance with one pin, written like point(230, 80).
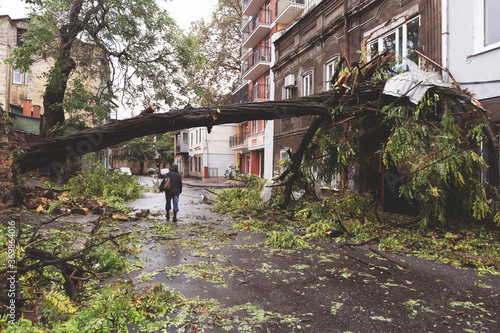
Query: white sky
point(183, 11)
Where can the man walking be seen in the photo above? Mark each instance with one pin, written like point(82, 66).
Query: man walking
point(172, 194)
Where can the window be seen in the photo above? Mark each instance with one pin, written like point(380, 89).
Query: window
point(16, 78)
point(268, 87)
point(329, 70)
point(486, 27)
point(26, 78)
point(20, 38)
point(491, 26)
point(307, 84)
point(287, 93)
point(192, 141)
point(403, 40)
point(184, 138)
point(254, 127)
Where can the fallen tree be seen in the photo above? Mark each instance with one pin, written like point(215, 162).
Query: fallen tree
point(356, 100)
point(55, 150)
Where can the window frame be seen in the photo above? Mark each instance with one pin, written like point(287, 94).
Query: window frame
point(400, 36)
point(254, 127)
point(307, 82)
point(479, 29)
point(330, 64)
point(16, 73)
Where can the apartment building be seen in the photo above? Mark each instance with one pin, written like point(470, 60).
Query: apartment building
point(471, 49)
point(21, 94)
point(262, 19)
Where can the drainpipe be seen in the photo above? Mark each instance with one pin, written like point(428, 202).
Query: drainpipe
point(346, 32)
point(445, 37)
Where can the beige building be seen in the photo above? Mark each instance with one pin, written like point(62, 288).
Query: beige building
point(17, 87)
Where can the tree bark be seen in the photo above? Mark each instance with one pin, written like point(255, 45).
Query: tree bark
point(56, 150)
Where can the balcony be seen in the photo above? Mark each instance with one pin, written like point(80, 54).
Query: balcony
point(257, 28)
point(258, 62)
point(288, 10)
point(251, 6)
point(260, 92)
point(238, 140)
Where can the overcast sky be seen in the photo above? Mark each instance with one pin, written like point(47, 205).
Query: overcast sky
point(183, 11)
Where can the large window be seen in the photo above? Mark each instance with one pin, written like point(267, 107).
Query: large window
point(16, 77)
point(254, 127)
point(403, 40)
point(329, 70)
point(486, 26)
point(491, 25)
point(287, 93)
point(307, 84)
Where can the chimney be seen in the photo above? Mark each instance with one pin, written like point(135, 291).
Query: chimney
point(36, 111)
point(27, 107)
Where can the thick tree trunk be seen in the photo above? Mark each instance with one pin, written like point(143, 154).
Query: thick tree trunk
point(55, 151)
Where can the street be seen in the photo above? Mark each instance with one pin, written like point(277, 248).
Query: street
point(330, 288)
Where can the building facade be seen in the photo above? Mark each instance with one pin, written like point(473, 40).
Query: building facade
point(308, 51)
point(471, 51)
point(203, 155)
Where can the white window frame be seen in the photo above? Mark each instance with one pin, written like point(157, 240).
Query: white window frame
point(16, 76)
point(307, 84)
point(254, 127)
point(379, 40)
point(287, 93)
point(479, 33)
point(329, 70)
point(26, 78)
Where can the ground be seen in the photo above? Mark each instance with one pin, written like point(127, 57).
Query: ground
point(324, 289)
point(237, 283)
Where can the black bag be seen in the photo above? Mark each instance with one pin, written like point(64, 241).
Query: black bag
point(165, 184)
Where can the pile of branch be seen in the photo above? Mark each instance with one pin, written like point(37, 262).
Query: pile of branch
point(74, 268)
point(359, 91)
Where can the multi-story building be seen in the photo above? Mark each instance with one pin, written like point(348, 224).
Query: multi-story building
point(308, 50)
point(181, 158)
point(208, 156)
point(261, 20)
point(471, 52)
point(21, 94)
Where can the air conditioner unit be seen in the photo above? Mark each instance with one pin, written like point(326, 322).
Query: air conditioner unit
point(290, 81)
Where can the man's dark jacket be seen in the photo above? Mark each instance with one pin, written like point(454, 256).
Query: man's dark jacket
point(175, 181)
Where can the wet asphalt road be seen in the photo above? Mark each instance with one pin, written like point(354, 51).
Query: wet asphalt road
point(325, 289)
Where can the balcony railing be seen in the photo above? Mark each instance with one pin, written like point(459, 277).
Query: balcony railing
point(259, 55)
point(288, 10)
point(261, 19)
point(238, 139)
point(259, 92)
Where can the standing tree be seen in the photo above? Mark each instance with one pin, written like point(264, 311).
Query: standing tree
point(218, 41)
point(149, 148)
point(103, 50)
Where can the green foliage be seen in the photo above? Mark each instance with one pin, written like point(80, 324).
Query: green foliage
point(218, 44)
point(149, 148)
point(286, 239)
point(242, 200)
point(139, 38)
point(444, 164)
point(56, 306)
point(114, 187)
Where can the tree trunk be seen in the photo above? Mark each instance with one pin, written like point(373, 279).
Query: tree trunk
point(56, 150)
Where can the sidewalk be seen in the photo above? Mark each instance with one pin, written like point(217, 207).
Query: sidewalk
point(201, 183)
